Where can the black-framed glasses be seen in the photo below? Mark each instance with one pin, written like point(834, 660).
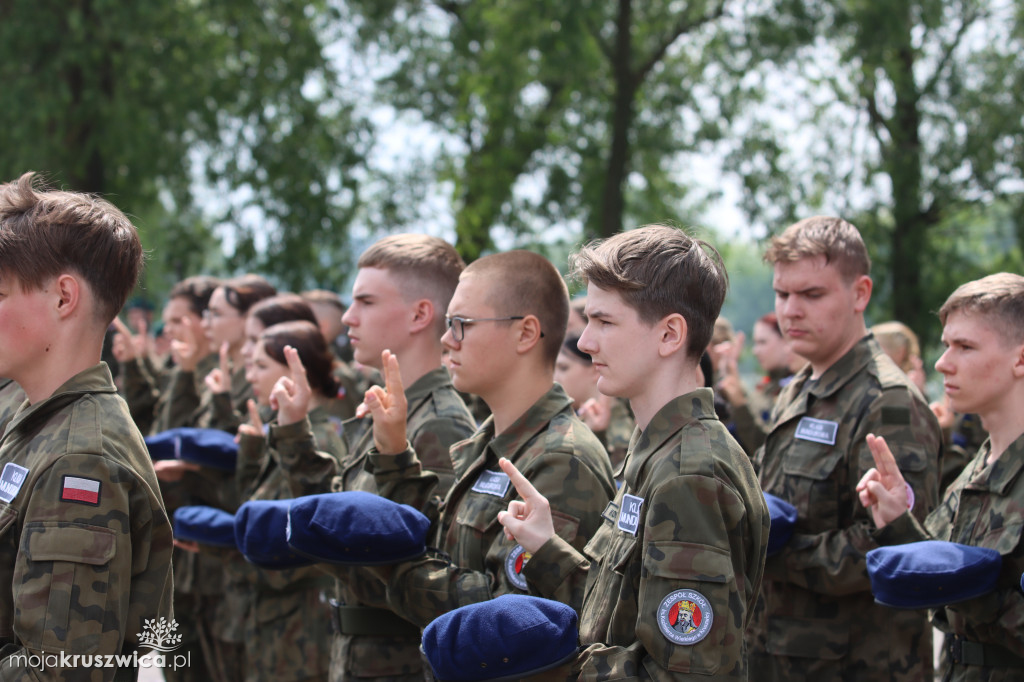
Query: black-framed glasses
point(458, 324)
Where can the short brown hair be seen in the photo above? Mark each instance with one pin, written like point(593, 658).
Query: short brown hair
point(999, 297)
point(834, 238)
point(659, 270)
point(526, 283)
point(282, 308)
point(324, 296)
point(306, 339)
point(244, 291)
point(44, 233)
point(196, 290)
point(427, 267)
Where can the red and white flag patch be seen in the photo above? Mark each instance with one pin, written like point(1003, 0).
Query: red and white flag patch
point(78, 489)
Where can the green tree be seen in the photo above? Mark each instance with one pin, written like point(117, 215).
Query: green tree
point(144, 101)
point(908, 123)
point(558, 114)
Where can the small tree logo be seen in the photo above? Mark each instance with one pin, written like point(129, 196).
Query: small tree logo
point(159, 634)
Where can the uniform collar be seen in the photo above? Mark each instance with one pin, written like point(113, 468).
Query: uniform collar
point(432, 381)
point(525, 428)
point(96, 379)
point(669, 420)
point(841, 372)
point(1002, 474)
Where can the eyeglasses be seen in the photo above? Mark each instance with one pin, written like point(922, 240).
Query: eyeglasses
point(458, 324)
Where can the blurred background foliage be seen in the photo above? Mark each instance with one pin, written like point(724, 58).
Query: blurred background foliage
point(281, 136)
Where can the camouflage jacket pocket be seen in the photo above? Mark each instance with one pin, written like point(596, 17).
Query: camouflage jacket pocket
point(65, 577)
point(690, 609)
point(812, 485)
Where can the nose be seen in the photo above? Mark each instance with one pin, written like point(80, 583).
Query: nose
point(586, 342)
point(448, 339)
point(348, 318)
point(943, 365)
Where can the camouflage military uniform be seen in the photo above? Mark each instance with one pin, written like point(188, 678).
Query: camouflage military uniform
point(964, 439)
point(178, 404)
point(140, 387)
point(751, 421)
point(816, 618)
point(616, 437)
point(287, 622)
point(375, 643)
point(11, 398)
point(84, 538)
point(983, 508)
point(211, 637)
point(553, 449)
point(672, 573)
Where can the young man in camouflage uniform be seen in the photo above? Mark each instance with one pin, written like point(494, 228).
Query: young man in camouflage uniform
point(816, 618)
point(85, 543)
point(403, 286)
point(672, 573)
point(506, 325)
point(983, 371)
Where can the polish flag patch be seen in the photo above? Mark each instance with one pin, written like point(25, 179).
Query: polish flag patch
point(83, 490)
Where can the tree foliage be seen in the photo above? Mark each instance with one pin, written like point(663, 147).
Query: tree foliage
point(909, 126)
point(143, 101)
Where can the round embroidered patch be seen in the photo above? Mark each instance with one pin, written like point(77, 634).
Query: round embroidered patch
point(514, 563)
point(685, 617)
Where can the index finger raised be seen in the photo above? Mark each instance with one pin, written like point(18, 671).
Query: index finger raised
point(122, 328)
point(522, 485)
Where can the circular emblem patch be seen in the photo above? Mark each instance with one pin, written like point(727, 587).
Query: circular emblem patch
point(514, 563)
point(685, 617)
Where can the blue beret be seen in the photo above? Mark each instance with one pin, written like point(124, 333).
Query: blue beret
point(783, 516)
point(510, 636)
point(209, 447)
point(261, 534)
point(206, 525)
point(931, 574)
point(356, 528)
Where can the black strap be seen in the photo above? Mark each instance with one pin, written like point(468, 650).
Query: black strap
point(982, 655)
point(368, 621)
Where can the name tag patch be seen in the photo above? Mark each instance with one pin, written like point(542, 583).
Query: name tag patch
point(629, 515)
point(817, 430)
point(492, 483)
point(10, 481)
point(82, 490)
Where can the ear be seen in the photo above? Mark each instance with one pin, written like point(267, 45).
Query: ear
point(529, 334)
point(1018, 363)
point(672, 335)
point(69, 294)
point(422, 315)
point(862, 293)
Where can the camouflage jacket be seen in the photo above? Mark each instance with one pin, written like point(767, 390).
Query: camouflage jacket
point(178, 404)
point(751, 420)
point(11, 398)
point(140, 387)
point(672, 573)
point(437, 418)
point(561, 458)
point(225, 411)
point(287, 622)
point(85, 543)
point(816, 615)
point(985, 508)
point(616, 437)
point(962, 442)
